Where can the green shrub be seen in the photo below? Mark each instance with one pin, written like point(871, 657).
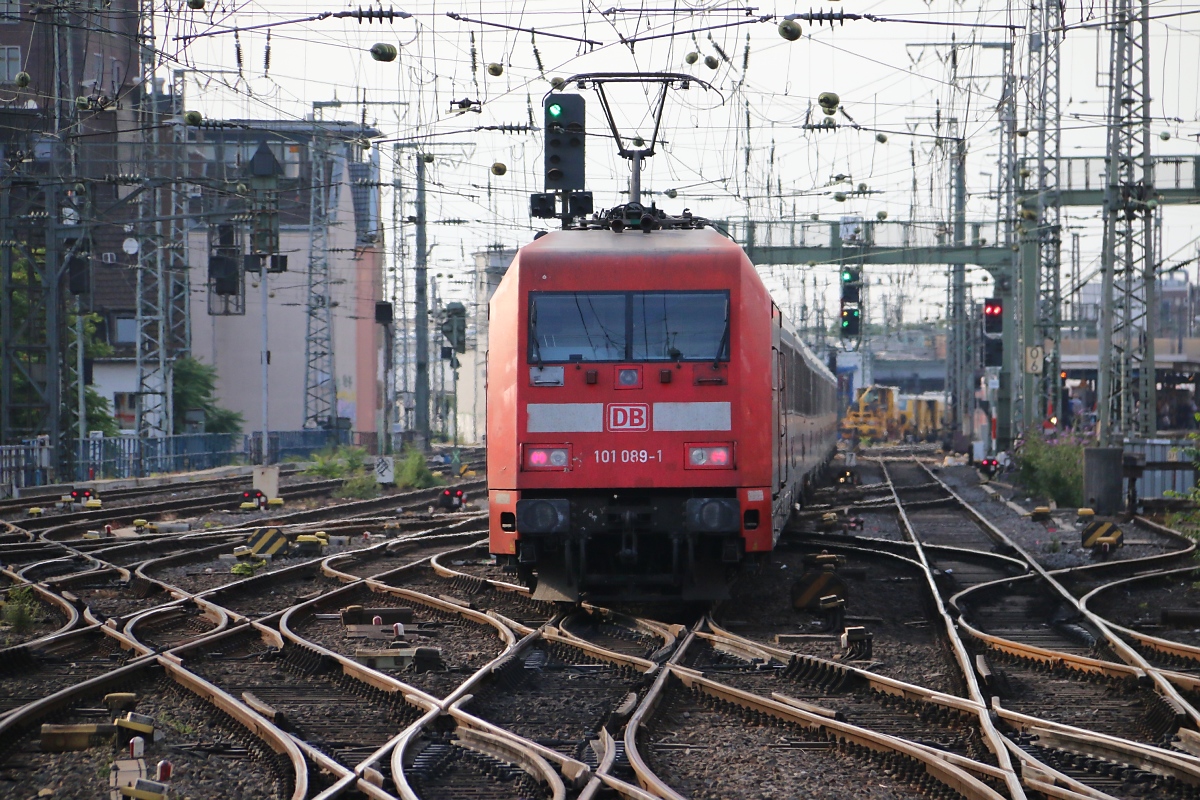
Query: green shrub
point(326, 464)
point(247, 568)
point(355, 459)
point(359, 487)
point(20, 608)
point(341, 462)
point(1052, 469)
point(414, 473)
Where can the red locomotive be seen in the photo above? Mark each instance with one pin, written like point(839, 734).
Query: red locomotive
point(652, 418)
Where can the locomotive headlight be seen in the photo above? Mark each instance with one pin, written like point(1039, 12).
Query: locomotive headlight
point(710, 456)
point(627, 377)
point(543, 516)
point(713, 514)
point(547, 457)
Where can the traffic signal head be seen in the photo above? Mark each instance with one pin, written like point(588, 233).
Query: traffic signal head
point(454, 327)
point(851, 321)
point(993, 315)
point(565, 127)
point(993, 352)
point(851, 283)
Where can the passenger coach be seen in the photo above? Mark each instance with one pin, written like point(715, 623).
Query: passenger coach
point(652, 418)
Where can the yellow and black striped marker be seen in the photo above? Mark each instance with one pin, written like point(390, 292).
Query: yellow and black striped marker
point(814, 585)
point(1098, 533)
point(267, 541)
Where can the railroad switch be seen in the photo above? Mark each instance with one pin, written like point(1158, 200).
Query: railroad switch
point(1102, 537)
point(145, 789)
point(824, 558)
point(35, 511)
point(120, 701)
point(267, 541)
point(815, 586)
point(309, 544)
point(834, 610)
point(65, 738)
point(418, 659)
point(856, 642)
point(1040, 514)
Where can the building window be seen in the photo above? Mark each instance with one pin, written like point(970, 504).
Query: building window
point(10, 10)
point(125, 331)
point(10, 63)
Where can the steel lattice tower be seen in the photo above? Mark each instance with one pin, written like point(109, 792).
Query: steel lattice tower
point(179, 328)
point(320, 384)
point(1126, 392)
point(1045, 25)
point(153, 397)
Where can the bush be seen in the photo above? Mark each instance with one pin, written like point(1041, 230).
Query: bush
point(20, 608)
point(362, 486)
point(414, 473)
point(1052, 469)
point(341, 462)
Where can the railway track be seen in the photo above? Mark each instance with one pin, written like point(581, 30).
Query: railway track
point(983, 679)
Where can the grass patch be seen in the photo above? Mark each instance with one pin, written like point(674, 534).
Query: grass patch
point(362, 486)
point(337, 462)
point(1052, 468)
point(180, 727)
point(414, 473)
point(20, 609)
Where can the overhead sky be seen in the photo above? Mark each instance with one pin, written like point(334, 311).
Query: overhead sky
point(740, 149)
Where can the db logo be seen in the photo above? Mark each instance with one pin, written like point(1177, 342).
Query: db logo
point(628, 417)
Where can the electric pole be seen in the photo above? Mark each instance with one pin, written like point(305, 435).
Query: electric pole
point(1126, 398)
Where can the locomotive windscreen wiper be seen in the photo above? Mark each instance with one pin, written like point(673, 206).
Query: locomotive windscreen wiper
point(724, 343)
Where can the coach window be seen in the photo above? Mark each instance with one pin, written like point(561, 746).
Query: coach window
point(680, 326)
point(577, 326)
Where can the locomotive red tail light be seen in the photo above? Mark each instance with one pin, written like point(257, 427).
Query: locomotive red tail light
point(459, 493)
point(709, 456)
point(447, 493)
point(547, 457)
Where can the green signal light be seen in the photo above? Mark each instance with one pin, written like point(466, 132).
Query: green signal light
point(555, 110)
point(847, 276)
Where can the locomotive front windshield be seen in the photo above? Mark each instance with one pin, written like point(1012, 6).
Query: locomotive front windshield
point(628, 326)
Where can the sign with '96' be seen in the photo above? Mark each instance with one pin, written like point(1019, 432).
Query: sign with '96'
point(627, 417)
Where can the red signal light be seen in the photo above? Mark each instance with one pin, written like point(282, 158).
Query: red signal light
point(447, 493)
point(458, 493)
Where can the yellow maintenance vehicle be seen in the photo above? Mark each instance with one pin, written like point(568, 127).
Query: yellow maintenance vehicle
point(883, 414)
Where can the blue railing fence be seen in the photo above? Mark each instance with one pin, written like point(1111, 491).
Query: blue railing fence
point(32, 463)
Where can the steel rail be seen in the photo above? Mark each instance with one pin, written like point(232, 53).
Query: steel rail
point(997, 743)
point(1131, 657)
